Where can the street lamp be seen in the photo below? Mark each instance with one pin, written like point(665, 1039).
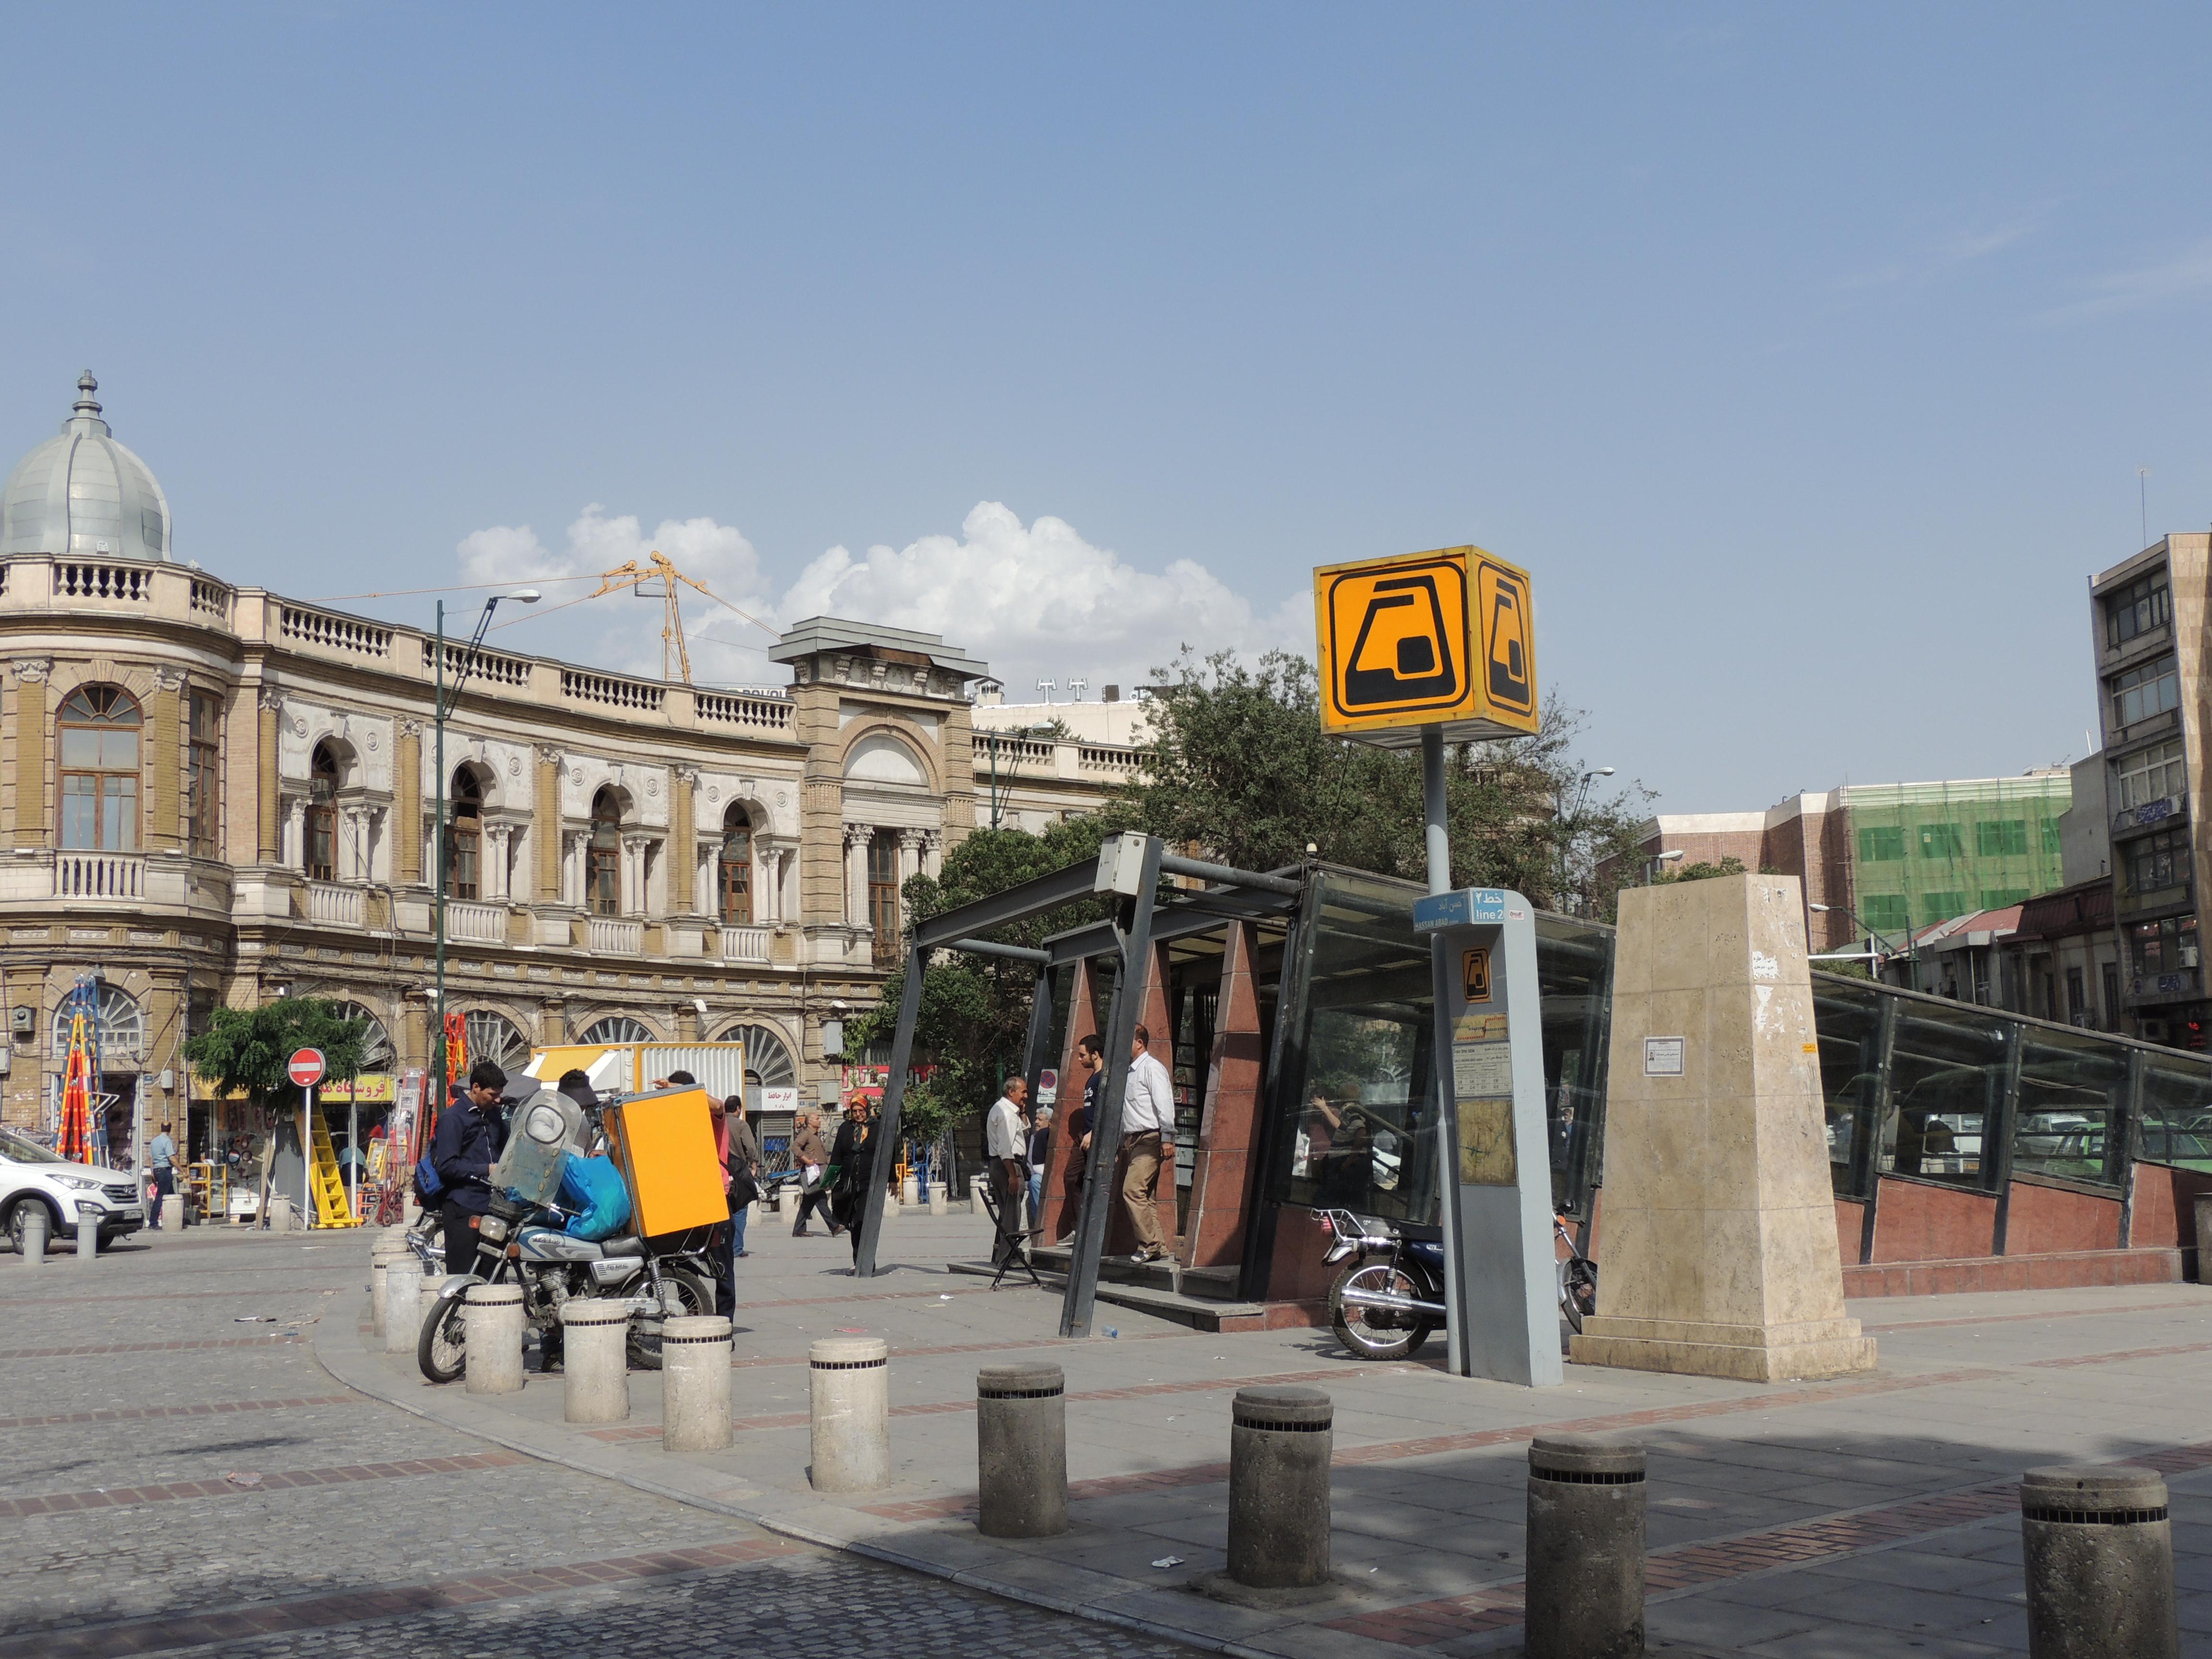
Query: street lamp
point(991, 740)
point(1658, 859)
point(1573, 824)
point(444, 706)
point(1912, 951)
point(1583, 794)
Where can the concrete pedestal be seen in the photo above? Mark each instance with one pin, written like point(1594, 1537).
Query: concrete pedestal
point(1021, 1452)
point(493, 1322)
point(35, 1225)
point(595, 1362)
point(910, 1190)
point(695, 1383)
point(848, 1401)
point(379, 1265)
point(173, 1214)
point(1585, 1548)
point(87, 1240)
point(1280, 1444)
point(281, 1215)
point(403, 1305)
point(937, 1203)
point(977, 1185)
point(2098, 1549)
point(1716, 1243)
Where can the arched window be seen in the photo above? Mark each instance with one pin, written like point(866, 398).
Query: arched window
point(118, 1024)
point(377, 1056)
point(99, 730)
point(322, 826)
point(602, 858)
point(493, 1037)
point(736, 868)
point(768, 1063)
point(464, 840)
point(616, 1029)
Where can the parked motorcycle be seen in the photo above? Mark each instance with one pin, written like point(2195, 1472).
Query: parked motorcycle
point(1390, 1295)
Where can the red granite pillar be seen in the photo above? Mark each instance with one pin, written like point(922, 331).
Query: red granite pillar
point(1230, 1127)
point(1059, 1213)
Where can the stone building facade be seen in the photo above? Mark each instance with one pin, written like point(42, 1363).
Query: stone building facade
point(214, 795)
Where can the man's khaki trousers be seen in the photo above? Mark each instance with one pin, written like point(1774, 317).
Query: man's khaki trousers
point(1139, 1184)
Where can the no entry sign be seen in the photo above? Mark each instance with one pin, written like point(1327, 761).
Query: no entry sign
point(306, 1067)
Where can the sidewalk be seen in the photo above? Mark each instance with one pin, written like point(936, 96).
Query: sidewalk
point(1773, 1511)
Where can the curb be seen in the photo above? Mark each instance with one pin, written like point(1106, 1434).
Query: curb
point(337, 1350)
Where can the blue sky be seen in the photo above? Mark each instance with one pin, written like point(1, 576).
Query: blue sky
point(1806, 356)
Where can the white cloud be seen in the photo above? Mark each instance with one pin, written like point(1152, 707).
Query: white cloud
point(1036, 601)
point(2189, 272)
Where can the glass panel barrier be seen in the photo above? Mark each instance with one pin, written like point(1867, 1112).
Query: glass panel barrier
point(1574, 966)
point(2073, 1100)
point(1847, 1020)
point(1947, 1081)
point(2177, 1111)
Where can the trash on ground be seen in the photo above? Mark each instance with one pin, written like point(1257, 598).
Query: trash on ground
point(1169, 1561)
point(1110, 1331)
point(238, 1479)
point(255, 1319)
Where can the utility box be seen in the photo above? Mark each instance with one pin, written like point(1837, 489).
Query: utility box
point(663, 1145)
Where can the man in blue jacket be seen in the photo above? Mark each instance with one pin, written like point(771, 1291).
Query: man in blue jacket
point(469, 1141)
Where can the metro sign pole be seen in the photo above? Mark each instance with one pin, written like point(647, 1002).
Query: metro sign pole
point(305, 1068)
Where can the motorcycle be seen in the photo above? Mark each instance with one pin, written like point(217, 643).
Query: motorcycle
point(1390, 1296)
point(520, 1240)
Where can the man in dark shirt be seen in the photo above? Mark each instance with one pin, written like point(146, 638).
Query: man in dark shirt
point(469, 1141)
point(1089, 1054)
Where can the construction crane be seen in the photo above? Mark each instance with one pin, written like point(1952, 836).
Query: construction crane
point(636, 579)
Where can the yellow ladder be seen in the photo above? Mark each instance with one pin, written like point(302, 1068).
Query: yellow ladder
point(332, 1209)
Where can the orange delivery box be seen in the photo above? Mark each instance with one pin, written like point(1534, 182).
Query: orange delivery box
point(663, 1145)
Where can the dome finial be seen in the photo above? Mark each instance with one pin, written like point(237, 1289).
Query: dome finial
point(86, 385)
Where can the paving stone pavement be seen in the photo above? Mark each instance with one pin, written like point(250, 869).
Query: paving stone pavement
point(506, 1555)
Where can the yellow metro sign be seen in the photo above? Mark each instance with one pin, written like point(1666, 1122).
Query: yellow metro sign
point(1447, 638)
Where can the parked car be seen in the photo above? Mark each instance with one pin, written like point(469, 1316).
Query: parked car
point(35, 1175)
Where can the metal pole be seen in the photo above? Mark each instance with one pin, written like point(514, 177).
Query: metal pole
point(306, 1156)
point(438, 1033)
point(871, 1219)
point(1090, 1241)
point(353, 1147)
point(1432, 809)
point(1436, 832)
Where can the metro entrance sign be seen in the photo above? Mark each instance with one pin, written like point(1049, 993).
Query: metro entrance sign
point(1445, 639)
point(305, 1068)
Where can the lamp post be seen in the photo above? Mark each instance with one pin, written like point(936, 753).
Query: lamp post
point(1574, 824)
point(443, 705)
point(1652, 865)
point(1912, 951)
point(991, 741)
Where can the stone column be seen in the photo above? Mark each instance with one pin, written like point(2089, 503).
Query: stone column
point(632, 848)
point(932, 852)
point(572, 865)
point(683, 840)
point(495, 872)
point(267, 795)
point(291, 845)
point(1220, 1182)
point(545, 819)
point(1719, 1254)
point(857, 836)
point(27, 800)
point(167, 808)
point(910, 857)
point(407, 804)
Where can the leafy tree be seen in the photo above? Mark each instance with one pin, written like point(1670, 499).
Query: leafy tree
point(1704, 869)
point(247, 1049)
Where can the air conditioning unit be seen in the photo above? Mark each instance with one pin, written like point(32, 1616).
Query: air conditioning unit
point(23, 1021)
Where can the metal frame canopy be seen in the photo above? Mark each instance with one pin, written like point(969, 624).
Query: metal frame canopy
point(1128, 873)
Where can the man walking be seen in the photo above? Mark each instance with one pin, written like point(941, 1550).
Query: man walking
point(1003, 1144)
point(1147, 1140)
point(162, 1153)
point(809, 1159)
point(469, 1141)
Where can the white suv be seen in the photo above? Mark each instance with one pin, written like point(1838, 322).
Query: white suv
point(32, 1175)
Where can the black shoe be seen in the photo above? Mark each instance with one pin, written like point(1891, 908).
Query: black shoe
point(800, 1232)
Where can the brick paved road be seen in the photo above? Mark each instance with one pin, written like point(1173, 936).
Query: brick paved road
point(367, 1532)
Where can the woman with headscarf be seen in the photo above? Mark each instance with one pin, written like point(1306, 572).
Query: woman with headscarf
point(854, 1154)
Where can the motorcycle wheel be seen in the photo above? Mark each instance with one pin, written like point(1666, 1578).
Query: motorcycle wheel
point(688, 1292)
point(1577, 1291)
point(440, 1351)
point(1370, 1341)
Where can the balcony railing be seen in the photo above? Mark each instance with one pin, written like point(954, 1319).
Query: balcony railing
point(615, 936)
point(330, 905)
point(480, 924)
point(745, 945)
point(100, 876)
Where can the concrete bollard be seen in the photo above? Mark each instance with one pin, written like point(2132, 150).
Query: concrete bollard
point(1585, 1548)
point(379, 1265)
point(88, 1237)
point(910, 1190)
point(280, 1215)
point(1280, 1443)
point(937, 1203)
point(977, 1187)
point(35, 1224)
point(492, 1324)
point(849, 1411)
point(403, 1305)
point(173, 1213)
point(594, 1361)
point(695, 1383)
point(2099, 1551)
point(1021, 1450)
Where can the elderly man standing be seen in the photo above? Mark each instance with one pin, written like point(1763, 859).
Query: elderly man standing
point(1147, 1140)
point(1005, 1145)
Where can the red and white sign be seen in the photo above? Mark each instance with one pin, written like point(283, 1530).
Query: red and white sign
point(306, 1067)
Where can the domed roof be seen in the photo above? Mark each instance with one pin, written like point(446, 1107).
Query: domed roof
point(82, 492)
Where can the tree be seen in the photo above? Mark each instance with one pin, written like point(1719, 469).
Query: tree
point(246, 1050)
point(1704, 869)
point(1238, 765)
point(974, 1018)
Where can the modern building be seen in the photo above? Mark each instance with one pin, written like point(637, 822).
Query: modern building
point(212, 794)
point(1901, 856)
point(2147, 616)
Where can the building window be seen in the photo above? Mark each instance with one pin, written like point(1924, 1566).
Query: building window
point(2162, 949)
point(2077, 999)
point(1941, 841)
point(615, 1030)
point(2152, 774)
point(1882, 845)
point(204, 773)
point(1941, 907)
point(602, 858)
point(322, 826)
point(99, 728)
point(2000, 838)
point(735, 869)
point(495, 1037)
point(2156, 862)
point(2141, 692)
point(882, 891)
point(1887, 912)
point(465, 837)
point(2137, 609)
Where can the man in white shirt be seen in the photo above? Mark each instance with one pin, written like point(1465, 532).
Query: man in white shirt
point(1147, 1140)
point(1004, 1146)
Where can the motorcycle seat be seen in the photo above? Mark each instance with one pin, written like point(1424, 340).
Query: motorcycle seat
point(630, 1244)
